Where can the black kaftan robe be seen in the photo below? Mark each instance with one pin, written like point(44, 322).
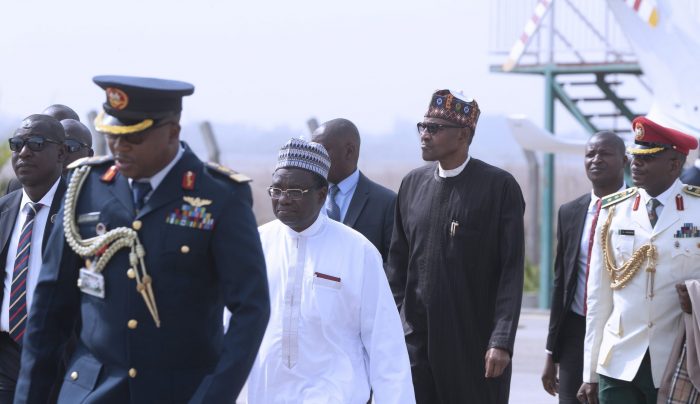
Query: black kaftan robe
point(456, 271)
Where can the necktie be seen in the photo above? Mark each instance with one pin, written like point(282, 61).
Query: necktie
point(18, 293)
point(591, 236)
point(333, 208)
point(140, 190)
point(651, 210)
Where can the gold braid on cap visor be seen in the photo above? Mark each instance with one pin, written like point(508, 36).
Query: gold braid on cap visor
point(121, 130)
point(653, 150)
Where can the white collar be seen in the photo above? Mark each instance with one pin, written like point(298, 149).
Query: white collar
point(45, 200)
point(453, 172)
point(664, 197)
point(158, 177)
point(310, 231)
point(697, 163)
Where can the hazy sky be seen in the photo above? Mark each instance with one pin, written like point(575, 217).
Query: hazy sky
point(261, 63)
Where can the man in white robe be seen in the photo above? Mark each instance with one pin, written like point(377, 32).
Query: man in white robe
point(334, 331)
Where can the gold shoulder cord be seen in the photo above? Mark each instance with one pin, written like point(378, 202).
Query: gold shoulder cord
point(619, 277)
point(113, 240)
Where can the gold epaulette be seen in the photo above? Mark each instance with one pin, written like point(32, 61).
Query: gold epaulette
point(89, 161)
point(617, 197)
point(692, 190)
point(234, 175)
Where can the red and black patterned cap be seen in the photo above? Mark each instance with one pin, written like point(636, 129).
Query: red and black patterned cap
point(445, 105)
point(652, 138)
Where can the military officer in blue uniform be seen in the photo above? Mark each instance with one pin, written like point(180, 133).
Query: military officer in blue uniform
point(153, 244)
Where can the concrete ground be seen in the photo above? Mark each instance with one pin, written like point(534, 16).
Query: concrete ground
point(528, 359)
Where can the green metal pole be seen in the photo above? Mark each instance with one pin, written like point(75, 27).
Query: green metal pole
point(547, 213)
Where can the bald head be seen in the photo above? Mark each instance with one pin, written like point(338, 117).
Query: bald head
point(341, 139)
point(611, 138)
point(61, 112)
point(78, 140)
point(605, 162)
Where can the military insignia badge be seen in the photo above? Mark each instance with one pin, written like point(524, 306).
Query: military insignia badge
point(91, 283)
point(109, 175)
point(188, 181)
point(688, 230)
point(192, 214)
point(639, 131)
point(117, 98)
point(197, 201)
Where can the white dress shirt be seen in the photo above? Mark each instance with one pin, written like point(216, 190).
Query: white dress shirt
point(34, 253)
point(158, 177)
point(334, 330)
point(582, 263)
point(346, 189)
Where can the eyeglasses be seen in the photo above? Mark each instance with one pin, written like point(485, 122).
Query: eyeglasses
point(74, 146)
point(35, 143)
point(293, 194)
point(433, 128)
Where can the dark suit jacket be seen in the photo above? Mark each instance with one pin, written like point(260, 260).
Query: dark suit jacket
point(572, 218)
point(203, 252)
point(9, 208)
point(691, 176)
point(371, 212)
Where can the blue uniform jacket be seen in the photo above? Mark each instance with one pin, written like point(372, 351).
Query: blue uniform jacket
point(196, 272)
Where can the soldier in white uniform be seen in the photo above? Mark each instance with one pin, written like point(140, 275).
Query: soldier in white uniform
point(646, 241)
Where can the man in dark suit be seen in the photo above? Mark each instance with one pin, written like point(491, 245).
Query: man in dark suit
point(155, 244)
point(78, 139)
point(27, 216)
point(604, 162)
point(691, 175)
point(353, 198)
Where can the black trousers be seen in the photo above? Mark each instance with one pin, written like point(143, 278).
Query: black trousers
point(10, 355)
point(570, 343)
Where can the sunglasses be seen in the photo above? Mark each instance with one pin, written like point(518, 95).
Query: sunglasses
point(35, 143)
point(293, 194)
point(135, 138)
point(433, 128)
point(74, 146)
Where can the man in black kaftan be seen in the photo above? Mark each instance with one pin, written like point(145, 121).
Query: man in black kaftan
point(456, 263)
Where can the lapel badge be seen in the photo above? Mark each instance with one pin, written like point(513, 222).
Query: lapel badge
point(679, 202)
point(688, 230)
point(188, 181)
point(109, 175)
point(53, 218)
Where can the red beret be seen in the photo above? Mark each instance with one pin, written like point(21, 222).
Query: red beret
point(653, 138)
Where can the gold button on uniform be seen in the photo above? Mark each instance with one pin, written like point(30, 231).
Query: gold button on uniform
point(132, 373)
point(131, 274)
point(132, 324)
point(136, 225)
point(74, 376)
point(184, 249)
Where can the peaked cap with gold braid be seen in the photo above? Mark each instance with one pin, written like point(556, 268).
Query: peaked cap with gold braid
point(135, 104)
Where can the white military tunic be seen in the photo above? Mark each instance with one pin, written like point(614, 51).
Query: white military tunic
point(334, 330)
point(622, 324)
